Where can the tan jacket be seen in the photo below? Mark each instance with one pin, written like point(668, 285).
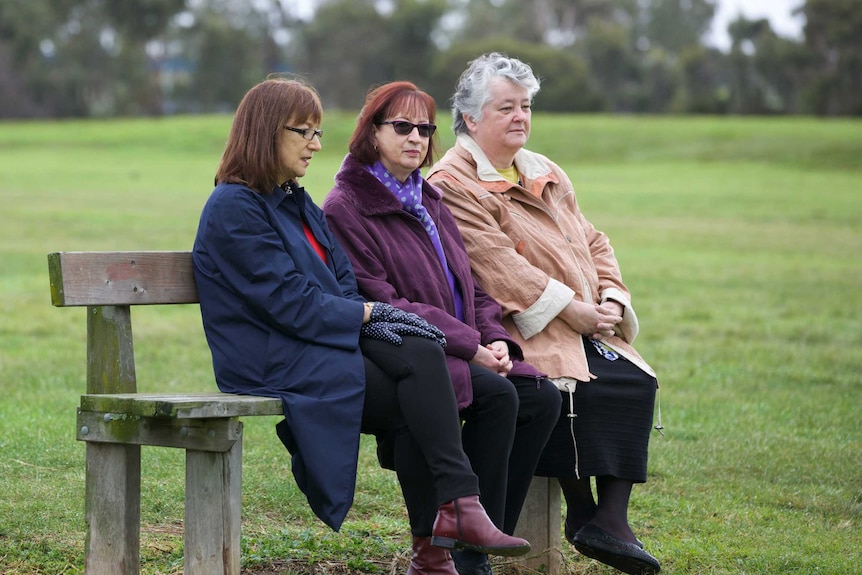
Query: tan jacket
point(533, 250)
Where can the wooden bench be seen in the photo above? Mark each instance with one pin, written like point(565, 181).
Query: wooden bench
point(115, 421)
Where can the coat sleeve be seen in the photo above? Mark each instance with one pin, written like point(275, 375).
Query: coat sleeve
point(523, 290)
point(611, 286)
point(240, 246)
point(488, 318)
point(371, 272)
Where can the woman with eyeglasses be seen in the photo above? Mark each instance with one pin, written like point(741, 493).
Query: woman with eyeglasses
point(406, 251)
point(283, 318)
point(564, 302)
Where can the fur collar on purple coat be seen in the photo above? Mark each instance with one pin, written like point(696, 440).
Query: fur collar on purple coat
point(395, 262)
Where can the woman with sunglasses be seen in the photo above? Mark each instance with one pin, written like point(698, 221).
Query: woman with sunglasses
point(283, 318)
point(406, 251)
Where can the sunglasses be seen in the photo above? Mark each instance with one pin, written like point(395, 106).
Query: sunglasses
point(403, 128)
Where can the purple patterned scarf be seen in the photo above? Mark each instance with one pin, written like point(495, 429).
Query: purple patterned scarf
point(410, 195)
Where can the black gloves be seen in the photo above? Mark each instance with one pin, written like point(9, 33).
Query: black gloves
point(389, 323)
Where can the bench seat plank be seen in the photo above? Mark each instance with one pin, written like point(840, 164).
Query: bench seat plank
point(182, 406)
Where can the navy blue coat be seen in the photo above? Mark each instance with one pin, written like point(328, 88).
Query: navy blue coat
point(282, 323)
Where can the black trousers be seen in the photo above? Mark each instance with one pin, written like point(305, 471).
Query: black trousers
point(504, 445)
point(503, 434)
point(410, 406)
point(539, 404)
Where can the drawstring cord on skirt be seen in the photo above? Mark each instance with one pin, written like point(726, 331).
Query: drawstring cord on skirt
point(658, 426)
point(571, 386)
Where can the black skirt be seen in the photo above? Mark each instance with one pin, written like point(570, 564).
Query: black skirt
point(614, 416)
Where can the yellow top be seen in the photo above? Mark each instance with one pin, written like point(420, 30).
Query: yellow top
point(510, 173)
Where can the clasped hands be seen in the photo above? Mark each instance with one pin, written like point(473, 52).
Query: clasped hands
point(597, 321)
point(494, 356)
point(388, 323)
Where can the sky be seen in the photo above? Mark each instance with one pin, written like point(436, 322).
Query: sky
point(777, 11)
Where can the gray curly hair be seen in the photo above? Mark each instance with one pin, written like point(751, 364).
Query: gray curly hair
point(472, 93)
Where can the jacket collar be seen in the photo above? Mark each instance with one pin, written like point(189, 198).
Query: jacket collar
point(370, 196)
point(531, 165)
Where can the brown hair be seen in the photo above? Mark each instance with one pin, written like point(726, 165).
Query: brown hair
point(251, 153)
point(380, 104)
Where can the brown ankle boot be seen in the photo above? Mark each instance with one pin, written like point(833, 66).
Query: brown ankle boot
point(463, 524)
point(430, 560)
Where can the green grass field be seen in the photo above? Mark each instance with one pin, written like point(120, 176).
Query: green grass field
point(739, 238)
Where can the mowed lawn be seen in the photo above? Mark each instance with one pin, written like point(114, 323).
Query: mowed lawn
point(740, 238)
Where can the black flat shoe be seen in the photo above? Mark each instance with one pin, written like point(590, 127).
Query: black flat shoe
point(570, 531)
point(598, 544)
point(469, 563)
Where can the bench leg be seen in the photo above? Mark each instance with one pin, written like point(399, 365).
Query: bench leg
point(213, 511)
point(113, 509)
point(540, 524)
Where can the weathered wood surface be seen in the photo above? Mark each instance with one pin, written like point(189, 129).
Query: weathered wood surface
point(212, 531)
point(201, 434)
point(540, 524)
point(113, 509)
point(110, 350)
point(121, 278)
point(182, 406)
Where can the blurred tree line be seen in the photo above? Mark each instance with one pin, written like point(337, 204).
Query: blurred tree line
point(98, 58)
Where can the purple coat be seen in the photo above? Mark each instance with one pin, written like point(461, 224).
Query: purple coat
point(395, 262)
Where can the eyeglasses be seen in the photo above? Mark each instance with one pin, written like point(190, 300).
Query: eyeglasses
point(307, 133)
point(403, 128)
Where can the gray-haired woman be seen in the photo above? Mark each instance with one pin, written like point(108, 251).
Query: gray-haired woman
point(563, 300)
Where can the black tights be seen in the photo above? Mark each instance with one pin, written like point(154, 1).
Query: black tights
point(610, 512)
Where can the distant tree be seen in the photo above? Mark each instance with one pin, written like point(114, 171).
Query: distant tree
point(147, 57)
point(750, 91)
point(766, 70)
point(351, 45)
point(83, 67)
point(135, 23)
point(564, 22)
point(675, 25)
point(410, 31)
point(705, 82)
point(229, 59)
point(141, 20)
point(833, 32)
point(343, 51)
point(612, 62)
point(480, 19)
point(558, 23)
point(29, 87)
point(673, 64)
point(657, 83)
point(565, 81)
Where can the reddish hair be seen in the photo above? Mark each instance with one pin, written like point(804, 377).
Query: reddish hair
point(251, 153)
point(384, 102)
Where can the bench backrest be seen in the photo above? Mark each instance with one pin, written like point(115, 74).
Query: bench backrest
point(108, 283)
point(121, 278)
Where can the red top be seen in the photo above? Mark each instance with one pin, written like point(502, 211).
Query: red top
point(313, 241)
